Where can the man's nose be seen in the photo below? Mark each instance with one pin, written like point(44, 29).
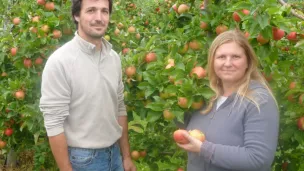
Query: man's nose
point(98, 16)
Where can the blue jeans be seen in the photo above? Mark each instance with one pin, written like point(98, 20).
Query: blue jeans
point(104, 159)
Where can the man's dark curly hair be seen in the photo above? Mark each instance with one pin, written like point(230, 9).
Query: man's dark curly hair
point(76, 7)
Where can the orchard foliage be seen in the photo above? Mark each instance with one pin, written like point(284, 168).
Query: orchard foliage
point(163, 47)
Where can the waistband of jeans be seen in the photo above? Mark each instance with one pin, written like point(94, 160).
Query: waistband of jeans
point(93, 149)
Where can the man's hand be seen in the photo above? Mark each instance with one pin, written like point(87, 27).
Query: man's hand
point(194, 144)
point(128, 164)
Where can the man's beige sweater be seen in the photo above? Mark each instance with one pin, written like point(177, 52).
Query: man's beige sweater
point(82, 94)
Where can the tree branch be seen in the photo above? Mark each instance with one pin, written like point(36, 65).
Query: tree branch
point(294, 12)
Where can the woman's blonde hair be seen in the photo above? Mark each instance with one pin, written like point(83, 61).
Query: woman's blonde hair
point(252, 72)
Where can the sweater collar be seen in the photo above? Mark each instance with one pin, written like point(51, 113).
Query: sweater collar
point(90, 48)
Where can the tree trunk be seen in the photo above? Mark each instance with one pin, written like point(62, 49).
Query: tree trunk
point(11, 160)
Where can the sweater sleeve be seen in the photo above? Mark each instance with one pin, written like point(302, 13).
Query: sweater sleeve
point(121, 104)
point(260, 141)
point(55, 97)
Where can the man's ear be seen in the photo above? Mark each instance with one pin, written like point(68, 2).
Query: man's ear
point(76, 18)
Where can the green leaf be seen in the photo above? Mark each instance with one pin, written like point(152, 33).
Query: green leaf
point(299, 136)
point(205, 92)
point(153, 116)
point(149, 91)
point(180, 65)
point(179, 114)
point(263, 20)
point(150, 42)
point(156, 106)
point(136, 129)
point(143, 85)
point(36, 137)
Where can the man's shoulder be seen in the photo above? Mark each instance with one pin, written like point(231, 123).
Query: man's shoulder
point(66, 52)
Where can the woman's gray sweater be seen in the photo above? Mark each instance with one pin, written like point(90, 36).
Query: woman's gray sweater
point(239, 137)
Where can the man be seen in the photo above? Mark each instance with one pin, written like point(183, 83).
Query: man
point(82, 97)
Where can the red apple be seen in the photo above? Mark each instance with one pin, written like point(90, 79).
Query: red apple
point(135, 155)
point(203, 25)
point(27, 63)
point(19, 94)
point(125, 51)
point(246, 12)
point(292, 36)
point(195, 45)
point(45, 28)
point(168, 115)
point(56, 34)
point(174, 7)
point(130, 71)
point(183, 102)
point(16, 20)
point(14, 51)
point(116, 31)
point(180, 169)
point(131, 29)
point(35, 19)
point(38, 61)
point(200, 72)
point(301, 123)
point(143, 153)
point(236, 17)
point(120, 26)
point(220, 29)
point(50, 6)
point(40, 2)
point(2, 144)
point(146, 23)
point(262, 40)
point(3, 74)
point(179, 137)
point(150, 57)
point(292, 85)
point(182, 8)
point(33, 29)
point(277, 33)
point(137, 36)
point(8, 131)
point(197, 105)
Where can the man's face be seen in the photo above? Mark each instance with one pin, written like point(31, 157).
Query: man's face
point(93, 19)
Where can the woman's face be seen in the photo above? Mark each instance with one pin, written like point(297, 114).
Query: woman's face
point(230, 63)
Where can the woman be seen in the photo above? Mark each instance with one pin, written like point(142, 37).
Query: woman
point(241, 122)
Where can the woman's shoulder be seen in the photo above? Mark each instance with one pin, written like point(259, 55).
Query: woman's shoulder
point(259, 92)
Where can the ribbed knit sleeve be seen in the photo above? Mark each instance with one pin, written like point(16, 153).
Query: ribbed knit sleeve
point(55, 96)
point(260, 140)
point(121, 104)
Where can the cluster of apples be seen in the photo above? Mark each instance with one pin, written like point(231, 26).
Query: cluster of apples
point(179, 137)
